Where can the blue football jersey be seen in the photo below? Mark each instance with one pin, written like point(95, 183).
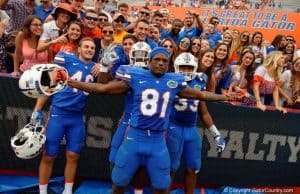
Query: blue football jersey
point(152, 96)
point(185, 111)
point(72, 98)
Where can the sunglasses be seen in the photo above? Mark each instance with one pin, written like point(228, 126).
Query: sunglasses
point(168, 46)
point(119, 21)
point(290, 40)
point(104, 1)
point(185, 42)
point(107, 32)
point(91, 18)
point(215, 22)
point(245, 36)
point(102, 19)
point(196, 44)
point(144, 13)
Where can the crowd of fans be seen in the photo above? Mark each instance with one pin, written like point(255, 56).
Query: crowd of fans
point(259, 72)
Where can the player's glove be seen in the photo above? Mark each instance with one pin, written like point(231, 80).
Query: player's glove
point(220, 143)
point(110, 55)
point(36, 117)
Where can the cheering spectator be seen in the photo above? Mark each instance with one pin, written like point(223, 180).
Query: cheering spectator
point(195, 47)
point(53, 31)
point(106, 41)
point(266, 78)
point(290, 85)
point(258, 48)
point(278, 44)
point(204, 44)
point(102, 19)
point(222, 68)
point(242, 75)
point(26, 46)
point(175, 29)
point(73, 37)
point(190, 30)
point(119, 26)
point(171, 46)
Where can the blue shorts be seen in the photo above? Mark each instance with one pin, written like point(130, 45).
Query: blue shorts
point(184, 141)
point(143, 148)
point(118, 137)
point(60, 125)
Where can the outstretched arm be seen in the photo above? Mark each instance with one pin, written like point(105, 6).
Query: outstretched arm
point(114, 87)
point(187, 92)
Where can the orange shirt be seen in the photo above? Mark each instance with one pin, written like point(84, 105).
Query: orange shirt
point(95, 33)
point(68, 47)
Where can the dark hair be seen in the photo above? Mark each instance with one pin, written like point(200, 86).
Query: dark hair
point(90, 11)
point(142, 20)
point(123, 5)
point(257, 33)
point(103, 14)
point(224, 62)
point(276, 41)
point(158, 14)
point(130, 36)
point(209, 72)
point(27, 23)
point(250, 68)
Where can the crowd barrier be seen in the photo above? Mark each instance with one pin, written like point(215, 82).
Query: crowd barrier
point(262, 147)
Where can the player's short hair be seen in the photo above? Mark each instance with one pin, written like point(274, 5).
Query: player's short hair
point(85, 39)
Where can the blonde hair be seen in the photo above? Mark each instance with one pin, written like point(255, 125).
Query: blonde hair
point(233, 45)
point(271, 64)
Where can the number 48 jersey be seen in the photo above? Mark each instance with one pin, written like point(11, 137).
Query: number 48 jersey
point(72, 98)
point(152, 96)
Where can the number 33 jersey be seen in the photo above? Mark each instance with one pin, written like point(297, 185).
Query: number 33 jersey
point(152, 96)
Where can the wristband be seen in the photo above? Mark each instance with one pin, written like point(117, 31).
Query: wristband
point(213, 129)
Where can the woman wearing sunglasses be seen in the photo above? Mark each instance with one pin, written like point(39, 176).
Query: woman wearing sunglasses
point(171, 46)
point(195, 47)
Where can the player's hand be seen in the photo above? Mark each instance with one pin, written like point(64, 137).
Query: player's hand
point(61, 76)
point(220, 143)
point(36, 117)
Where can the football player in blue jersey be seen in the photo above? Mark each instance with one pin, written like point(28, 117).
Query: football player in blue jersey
point(183, 137)
point(66, 115)
point(138, 56)
point(153, 93)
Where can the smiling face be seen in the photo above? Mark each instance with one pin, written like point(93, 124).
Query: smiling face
point(207, 59)
point(36, 27)
point(127, 45)
point(74, 31)
point(90, 20)
point(86, 50)
point(108, 33)
point(169, 46)
point(141, 30)
point(221, 52)
point(184, 44)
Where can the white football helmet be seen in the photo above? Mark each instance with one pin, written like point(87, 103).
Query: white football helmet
point(139, 54)
point(39, 81)
point(186, 60)
point(29, 141)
